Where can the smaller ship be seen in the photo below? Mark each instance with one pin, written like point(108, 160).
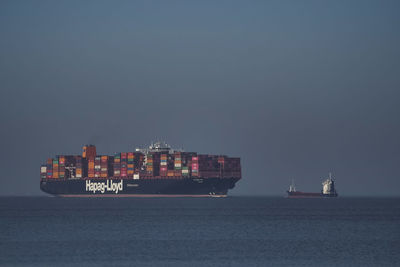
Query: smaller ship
point(328, 190)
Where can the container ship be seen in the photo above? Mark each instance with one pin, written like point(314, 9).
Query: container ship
point(156, 171)
point(328, 190)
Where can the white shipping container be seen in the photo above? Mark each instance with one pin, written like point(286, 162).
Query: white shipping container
point(103, 169)
point(136, 176)
point(178, 165)
point(43, 169)
point(163, 164)
point(78, 175)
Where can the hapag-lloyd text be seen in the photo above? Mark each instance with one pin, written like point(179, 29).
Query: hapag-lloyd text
point(102, 187)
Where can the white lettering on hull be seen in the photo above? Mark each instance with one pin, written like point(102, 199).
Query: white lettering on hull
point(103, 187)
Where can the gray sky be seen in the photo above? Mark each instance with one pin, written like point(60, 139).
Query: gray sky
point(294, 88)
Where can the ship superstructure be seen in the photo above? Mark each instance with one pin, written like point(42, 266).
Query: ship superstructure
point(328, 187)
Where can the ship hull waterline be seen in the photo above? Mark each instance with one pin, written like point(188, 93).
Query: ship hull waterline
point(309, 195)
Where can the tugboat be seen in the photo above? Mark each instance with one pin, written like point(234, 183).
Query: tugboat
point(328, 190)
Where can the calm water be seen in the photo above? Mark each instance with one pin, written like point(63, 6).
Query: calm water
point(235, 231)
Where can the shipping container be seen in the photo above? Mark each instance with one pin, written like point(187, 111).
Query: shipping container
point(43, 169)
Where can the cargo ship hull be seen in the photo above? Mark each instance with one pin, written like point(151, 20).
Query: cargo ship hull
point(298, 194)
point(163, 187)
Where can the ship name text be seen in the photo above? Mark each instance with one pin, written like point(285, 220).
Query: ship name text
point(102, 187)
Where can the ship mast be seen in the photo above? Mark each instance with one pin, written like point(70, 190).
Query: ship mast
point(292, 187)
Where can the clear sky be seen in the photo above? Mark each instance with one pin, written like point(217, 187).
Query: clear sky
point(297, 89)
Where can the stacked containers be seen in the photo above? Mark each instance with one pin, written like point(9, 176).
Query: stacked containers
point(156, 163)
point(232, 167)
point(89, 151)
point(49, 173)
point(78, 167)
point(163, 165)
point(185, 171)
point(208, 166)
point(124, 164)
point(104, 166)
point(91, 168)
point(43, 171)
point(110, 165)
point(178, 164)
point(117, 165)
point(131, 165)
point(61, 166)
point(97, 166)
point(177, 161)
point(149, 163)
point(55, 168)
point(195, 166)
point(221, 162)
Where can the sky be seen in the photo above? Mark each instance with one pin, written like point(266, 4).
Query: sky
point(296, 89)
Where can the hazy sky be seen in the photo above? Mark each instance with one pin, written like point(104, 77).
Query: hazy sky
point(295, 88)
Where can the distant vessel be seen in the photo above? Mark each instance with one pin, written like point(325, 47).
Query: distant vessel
point(328, 190)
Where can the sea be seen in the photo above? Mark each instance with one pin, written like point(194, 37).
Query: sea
point(232, 231)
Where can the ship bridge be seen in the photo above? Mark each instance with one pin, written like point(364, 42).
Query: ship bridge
point(159, 146)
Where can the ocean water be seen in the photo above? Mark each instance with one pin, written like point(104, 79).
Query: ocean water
point(233, 231)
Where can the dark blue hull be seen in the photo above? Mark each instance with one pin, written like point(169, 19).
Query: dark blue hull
point(103, 187)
